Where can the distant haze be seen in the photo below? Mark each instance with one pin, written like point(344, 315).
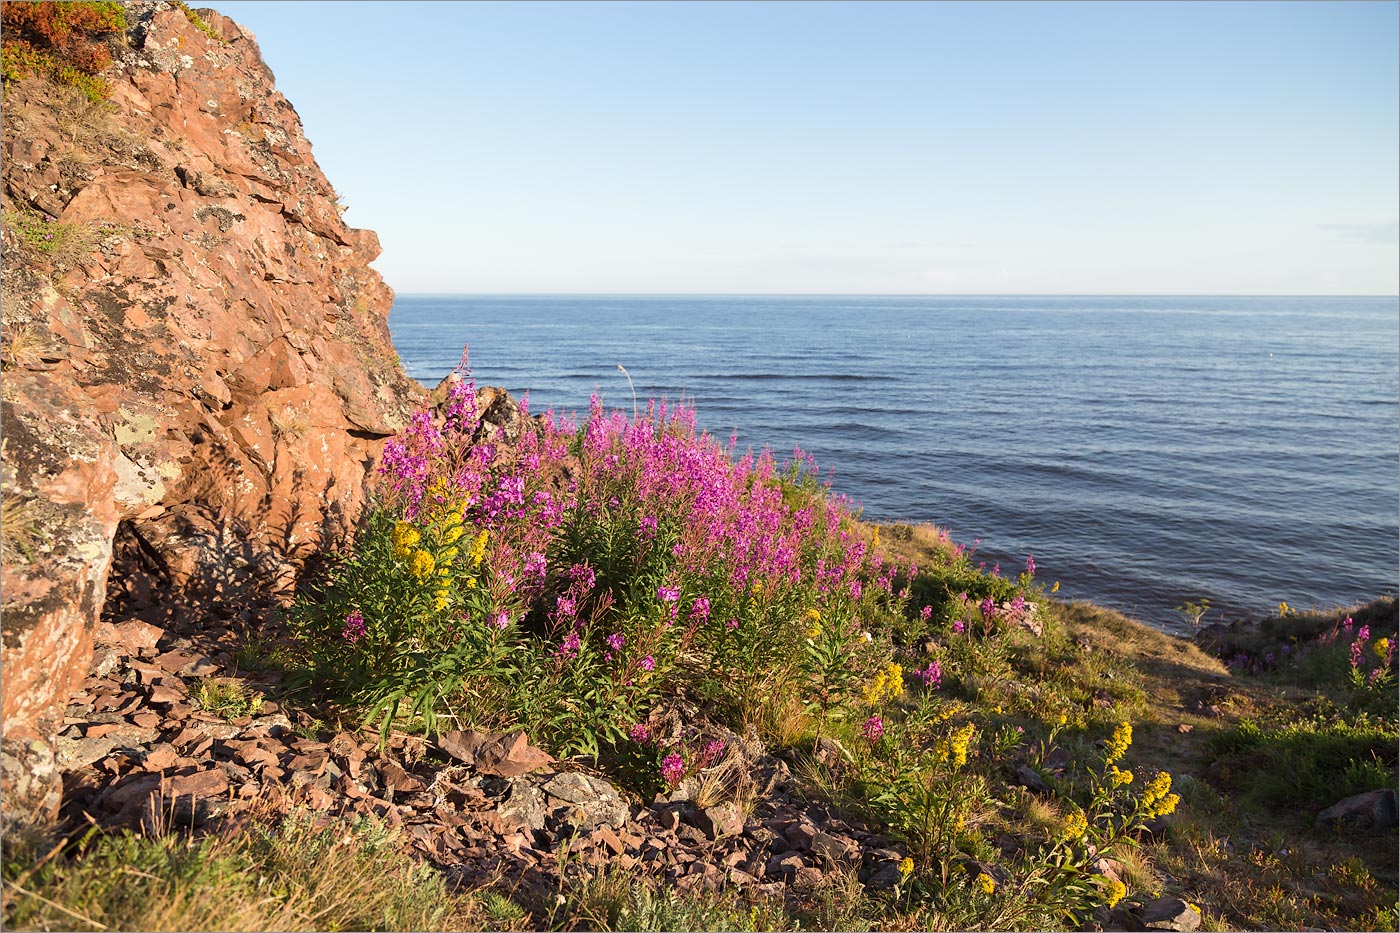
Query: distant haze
point(870, 148)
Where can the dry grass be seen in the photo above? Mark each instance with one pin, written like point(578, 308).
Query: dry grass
point(22, 524)
point(297, 876)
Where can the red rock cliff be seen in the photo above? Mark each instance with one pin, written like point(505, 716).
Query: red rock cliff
point(195, 348)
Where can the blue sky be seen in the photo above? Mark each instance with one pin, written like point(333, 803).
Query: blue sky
point(805, 147)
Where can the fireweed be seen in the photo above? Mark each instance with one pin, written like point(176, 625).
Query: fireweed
point(561, 583)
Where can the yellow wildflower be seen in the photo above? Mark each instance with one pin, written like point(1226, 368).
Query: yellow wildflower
point(815, 628)
point(441, 599)
point(986, 883)
point(1118, 745)
point(1382, 648)
point(1166, 805)
point(1284, 610)
point(478, 551)
point(422, 565)
point(906, 868)
point(405, 537)
point(875, 544)
point(1056, 587)
point(958, 743)
point(1061, 720)
point(453, 533)
point(1155, 799)
point(894, 680)
point(1114, 893)
point(1120, 778)
point(1075, 827)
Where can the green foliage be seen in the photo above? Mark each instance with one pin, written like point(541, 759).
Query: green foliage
point(58, 242)
point(1307, 764)
point(196, 20)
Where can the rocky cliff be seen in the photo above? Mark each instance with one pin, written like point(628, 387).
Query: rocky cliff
point(198, 373)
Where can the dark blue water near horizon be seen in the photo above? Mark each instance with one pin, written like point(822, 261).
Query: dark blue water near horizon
point(1147, 450)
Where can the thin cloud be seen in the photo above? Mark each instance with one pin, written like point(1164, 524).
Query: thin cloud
point(1367, 233)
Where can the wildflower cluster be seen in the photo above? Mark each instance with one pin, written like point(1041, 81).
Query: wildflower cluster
point(575, 571)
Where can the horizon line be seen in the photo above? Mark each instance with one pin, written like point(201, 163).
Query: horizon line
point(470, 294)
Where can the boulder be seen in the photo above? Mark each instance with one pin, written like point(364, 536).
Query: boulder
point(1170, 913)
point(1373, 810)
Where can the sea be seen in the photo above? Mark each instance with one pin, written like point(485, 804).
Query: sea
point(1148, 451)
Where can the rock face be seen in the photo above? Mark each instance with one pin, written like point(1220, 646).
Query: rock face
point(197, 364)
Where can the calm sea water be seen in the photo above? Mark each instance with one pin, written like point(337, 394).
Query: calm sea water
point(1147, 451)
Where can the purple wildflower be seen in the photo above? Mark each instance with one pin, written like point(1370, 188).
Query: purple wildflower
point(648, 663)
point(932, 675)
point(354, 627)
point(874, 728)
point(639, 733)
point(701, 609)
point(672, 768)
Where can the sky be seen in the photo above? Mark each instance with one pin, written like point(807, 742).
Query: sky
point(855, 148)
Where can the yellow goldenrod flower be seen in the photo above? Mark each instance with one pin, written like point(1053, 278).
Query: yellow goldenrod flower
point(894, 680)
point(874, 544)
point(986, 883)
point(1166, 805)
point(1056, 587)
point(453, 533)
point(478, 551)
point(441, 599)
point(1075, 827)
point(1061, 720)
point(815, 628)
point(906, 868)
point(1120, 778)
point(1382, 648)
point(405, 538)
point(1284, 610)
point(958, 743)
point(1118, 745)
point(422, 565)
point(1114, 893)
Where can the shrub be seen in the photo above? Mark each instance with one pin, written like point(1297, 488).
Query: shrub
point(61, 41)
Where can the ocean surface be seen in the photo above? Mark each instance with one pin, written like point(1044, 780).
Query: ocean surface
point(1147, 451)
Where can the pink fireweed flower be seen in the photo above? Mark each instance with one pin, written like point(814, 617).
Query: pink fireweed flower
point(672, 768)
point(569, 647)
point(502, 621)
point(932, 675)
point(583, 575)
point(712, 751)
point(958, 627)
point(989, 609)
point(732, 624)
point(639, 733)
point(616, 640)
point(855, 589)
point(354, 628)
point(1030, 565)
point(872, 730)
point(668, 594)
point(996, 570)
point(701, 609)
point(648, 663)
point(1362, 636)
point(925, 613)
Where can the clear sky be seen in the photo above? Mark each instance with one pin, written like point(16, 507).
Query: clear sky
point(834, 147)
